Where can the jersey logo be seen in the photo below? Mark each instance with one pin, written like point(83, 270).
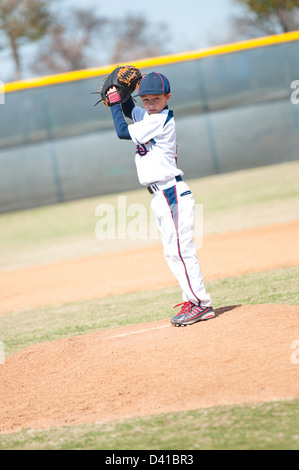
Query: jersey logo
point(185, 193)
point(141, 150)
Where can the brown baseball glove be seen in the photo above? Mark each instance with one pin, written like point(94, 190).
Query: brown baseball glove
point(123, 81)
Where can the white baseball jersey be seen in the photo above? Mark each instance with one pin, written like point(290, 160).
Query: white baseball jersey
point(156, 151)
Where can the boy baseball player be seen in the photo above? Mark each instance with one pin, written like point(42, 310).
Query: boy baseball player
point(153, 132)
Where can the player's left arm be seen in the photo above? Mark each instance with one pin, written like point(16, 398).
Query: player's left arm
point(128, 107)
point(117, 110)
point(120, 124)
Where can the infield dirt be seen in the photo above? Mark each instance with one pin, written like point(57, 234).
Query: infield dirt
point(222, 255)
point(242, 355)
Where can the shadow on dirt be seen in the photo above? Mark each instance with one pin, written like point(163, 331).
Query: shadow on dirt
point(219, 311)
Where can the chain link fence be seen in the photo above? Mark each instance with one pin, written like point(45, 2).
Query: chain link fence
point(233, 111)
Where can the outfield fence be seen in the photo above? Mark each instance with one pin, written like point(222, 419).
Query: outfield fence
point(236, 106)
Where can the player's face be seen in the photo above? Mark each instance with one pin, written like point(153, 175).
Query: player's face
point(154, 104)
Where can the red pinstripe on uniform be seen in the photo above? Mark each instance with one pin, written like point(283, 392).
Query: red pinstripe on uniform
point(175, 218)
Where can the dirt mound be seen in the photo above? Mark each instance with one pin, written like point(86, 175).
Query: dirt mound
point(242, 355)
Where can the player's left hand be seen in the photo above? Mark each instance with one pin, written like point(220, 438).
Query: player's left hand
point(119, 85)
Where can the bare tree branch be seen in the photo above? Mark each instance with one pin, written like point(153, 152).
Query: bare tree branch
point(80, 42)
point(137, 39)
point(23, 21)
point(266, 17)
point(67, 45)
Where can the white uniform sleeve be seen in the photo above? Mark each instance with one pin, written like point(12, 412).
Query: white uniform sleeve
point(138, 113)
point(143, 131)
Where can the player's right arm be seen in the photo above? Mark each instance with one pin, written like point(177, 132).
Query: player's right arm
point(144, 131)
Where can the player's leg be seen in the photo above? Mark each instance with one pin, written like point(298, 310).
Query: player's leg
point(175, 214)
point(198, 303)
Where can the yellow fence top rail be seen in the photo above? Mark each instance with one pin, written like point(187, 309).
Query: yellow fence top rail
point(151, 62)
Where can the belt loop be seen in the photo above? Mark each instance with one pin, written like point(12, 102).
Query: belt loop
point(155, 186)
point(179, 178)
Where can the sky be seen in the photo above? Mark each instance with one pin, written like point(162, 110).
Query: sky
point(192, 24)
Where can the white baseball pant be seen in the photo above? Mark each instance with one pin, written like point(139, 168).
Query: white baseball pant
point(174, 211)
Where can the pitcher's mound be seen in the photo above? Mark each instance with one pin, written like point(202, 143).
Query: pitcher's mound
point(244, 354)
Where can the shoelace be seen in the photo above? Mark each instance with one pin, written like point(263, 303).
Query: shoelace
point(187, 307)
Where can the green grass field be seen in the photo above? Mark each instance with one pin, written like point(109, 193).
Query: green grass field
point(31, 326)
point(231, 202)
point(266, 426)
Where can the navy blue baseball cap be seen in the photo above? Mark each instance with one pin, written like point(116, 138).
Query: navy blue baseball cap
point(153, 84)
